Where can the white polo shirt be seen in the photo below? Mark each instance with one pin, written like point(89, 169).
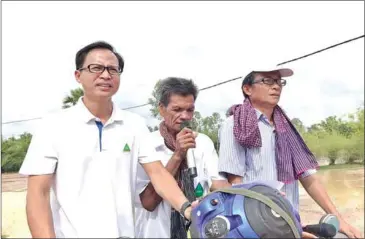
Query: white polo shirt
point(95, 170)
point(156, 224)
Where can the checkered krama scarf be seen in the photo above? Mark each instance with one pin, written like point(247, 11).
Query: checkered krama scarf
point(293, 157)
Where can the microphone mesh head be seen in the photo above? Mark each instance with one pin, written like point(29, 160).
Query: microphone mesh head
point(186, 124)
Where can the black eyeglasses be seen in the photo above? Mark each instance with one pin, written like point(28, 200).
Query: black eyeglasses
point(99, 69)
point(271, 81)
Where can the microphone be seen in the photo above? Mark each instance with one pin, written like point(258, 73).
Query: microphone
point(190, 153)
point(322, 229)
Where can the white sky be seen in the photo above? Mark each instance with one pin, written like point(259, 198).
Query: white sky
point(206, 41)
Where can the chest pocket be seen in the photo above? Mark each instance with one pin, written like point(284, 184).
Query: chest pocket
point(124, 153)
point(118, 147)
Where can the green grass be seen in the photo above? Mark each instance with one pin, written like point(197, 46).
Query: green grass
point(342, 166)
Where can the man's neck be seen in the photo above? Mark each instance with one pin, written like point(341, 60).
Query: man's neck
point(265, 110)
point(101, 109)
point(172, 132)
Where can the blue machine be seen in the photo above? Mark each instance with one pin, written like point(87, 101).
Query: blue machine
point(233, 213)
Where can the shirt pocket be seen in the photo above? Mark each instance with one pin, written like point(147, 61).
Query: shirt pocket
point(123, 165)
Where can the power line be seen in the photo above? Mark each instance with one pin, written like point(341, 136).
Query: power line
point(17, 121)
point(205, 88)
point(137, 106)
point(224, 82)
point(220, 83)
point(324, 49)
point(132, 107)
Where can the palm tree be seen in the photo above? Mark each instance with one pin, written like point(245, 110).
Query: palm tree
point(72, 99)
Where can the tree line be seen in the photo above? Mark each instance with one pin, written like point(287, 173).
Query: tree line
point(333, 138)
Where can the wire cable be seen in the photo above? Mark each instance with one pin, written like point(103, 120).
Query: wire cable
point(220, 83)
point(324, 49)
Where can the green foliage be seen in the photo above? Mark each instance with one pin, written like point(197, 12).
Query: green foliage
point(356, 147)
point(298, 125)
point(154, 100)
point(72, 99)
point(342, 166)
point(209, 126)
point(333, 143)
point(13, 151)
point(336, 138)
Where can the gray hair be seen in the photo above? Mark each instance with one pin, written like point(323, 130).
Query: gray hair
point(175, 86)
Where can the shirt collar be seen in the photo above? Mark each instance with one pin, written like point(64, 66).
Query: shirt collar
point(86, 116)
point(262, 117)
point(258, 114)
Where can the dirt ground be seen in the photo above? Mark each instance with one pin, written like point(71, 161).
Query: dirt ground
point(13, 182)
point(14, 223)
point(346, 190)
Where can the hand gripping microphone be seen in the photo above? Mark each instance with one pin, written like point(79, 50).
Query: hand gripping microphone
point(328, 226)
point(190, 153)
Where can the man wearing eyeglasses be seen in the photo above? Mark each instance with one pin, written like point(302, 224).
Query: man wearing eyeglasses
point(82, 161)
point(258, 142)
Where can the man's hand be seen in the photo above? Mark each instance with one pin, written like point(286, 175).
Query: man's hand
point(185, 140)
point(234, 179)
point(349, 230)
point(308, 235)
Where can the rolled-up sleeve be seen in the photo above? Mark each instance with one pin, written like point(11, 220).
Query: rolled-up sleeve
point(308, 173)
point(232, 159)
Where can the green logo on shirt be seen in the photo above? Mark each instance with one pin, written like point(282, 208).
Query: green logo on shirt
point(199, 191)
point(126, 148)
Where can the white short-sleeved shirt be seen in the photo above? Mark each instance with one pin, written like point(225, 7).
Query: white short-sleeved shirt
point(156, 224)
point(95, 170)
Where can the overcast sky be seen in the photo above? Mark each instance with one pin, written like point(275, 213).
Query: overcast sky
point(208, 42)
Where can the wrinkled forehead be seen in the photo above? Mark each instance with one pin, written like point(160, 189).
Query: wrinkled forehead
point(181, 101)
point(270, 74)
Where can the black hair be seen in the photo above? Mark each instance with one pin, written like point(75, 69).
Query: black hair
point(248, 80)
point(175, 85)
point(82, 53)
